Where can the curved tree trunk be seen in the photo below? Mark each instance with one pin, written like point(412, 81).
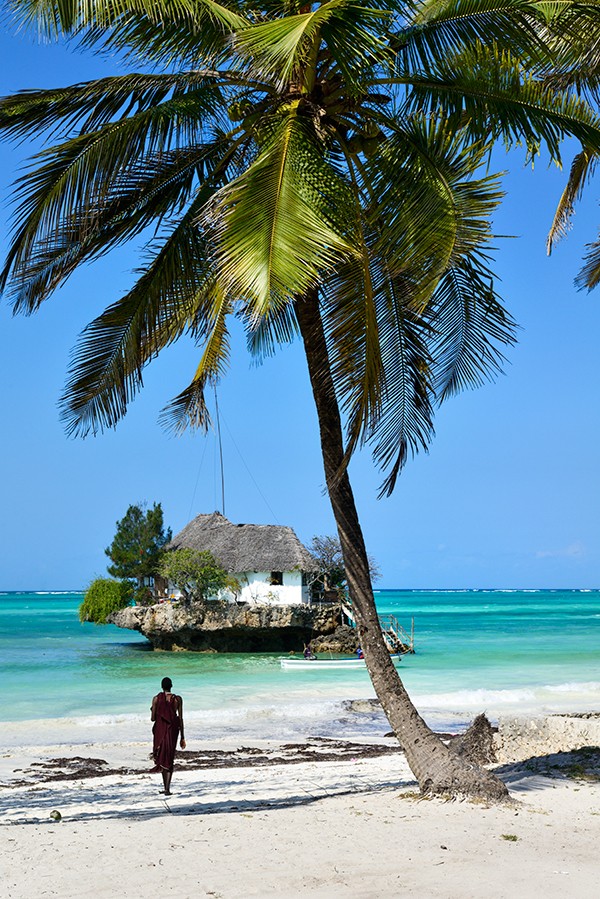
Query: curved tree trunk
point(437, 769)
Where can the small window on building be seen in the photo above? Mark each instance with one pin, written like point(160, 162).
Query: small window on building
point(276, 579)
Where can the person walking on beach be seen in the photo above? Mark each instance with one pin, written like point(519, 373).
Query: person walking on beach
point(167, 715)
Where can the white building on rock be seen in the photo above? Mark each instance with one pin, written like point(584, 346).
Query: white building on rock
point(269, 561)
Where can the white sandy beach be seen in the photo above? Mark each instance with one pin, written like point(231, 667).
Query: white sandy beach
point(351, 826)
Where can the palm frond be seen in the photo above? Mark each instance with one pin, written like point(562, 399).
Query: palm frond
point(90, 105)
point(201, 44)
point(468, 325)
point(589, 276)
point(281, 47)
point(266, 335)
point(173, 294)
point(429, 205)
point(188, 409)
point(442, 28)
point(352, 333)
point(388, 407)
point(76, 184)
point(276, 48)
point(582, 169)
point(448, 222)
point(427, 216)
point(56, 17)
point(106, 368)
point(556, 40)
point(574, 36)
point(147, 195)
point(485, 91)
point(362, 373)
point(405, 424)
point(277, 226)
point(356, 40)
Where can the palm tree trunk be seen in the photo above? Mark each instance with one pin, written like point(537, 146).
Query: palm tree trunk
point(437, 769)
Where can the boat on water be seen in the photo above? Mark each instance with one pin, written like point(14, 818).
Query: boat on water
point(316, 664)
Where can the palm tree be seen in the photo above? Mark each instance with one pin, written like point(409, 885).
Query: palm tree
point(312, 169)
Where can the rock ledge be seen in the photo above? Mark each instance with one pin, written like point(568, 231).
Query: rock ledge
point(229, 627)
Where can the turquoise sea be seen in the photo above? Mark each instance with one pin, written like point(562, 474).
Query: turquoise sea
point(503, 652)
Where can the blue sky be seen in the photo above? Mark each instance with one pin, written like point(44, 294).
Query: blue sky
point(507, 497)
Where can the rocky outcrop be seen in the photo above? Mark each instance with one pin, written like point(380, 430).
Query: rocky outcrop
point(343, 639)
point(523, 738)
point(228, 627)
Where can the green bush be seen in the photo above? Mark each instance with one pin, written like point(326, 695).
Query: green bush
point(196, 573)
point(103, 596)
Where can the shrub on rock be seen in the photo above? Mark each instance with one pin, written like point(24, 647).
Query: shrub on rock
point(103, 596)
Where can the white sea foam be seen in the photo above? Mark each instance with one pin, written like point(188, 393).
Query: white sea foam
point(293, 719)
point(471, 699)
point(534, 700)
point(591, 687)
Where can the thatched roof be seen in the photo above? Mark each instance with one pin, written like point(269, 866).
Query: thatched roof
point(245, 547)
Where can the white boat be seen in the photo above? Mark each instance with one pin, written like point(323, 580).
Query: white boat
point(314, 664)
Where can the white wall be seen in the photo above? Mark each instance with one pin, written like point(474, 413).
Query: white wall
point(256, 588)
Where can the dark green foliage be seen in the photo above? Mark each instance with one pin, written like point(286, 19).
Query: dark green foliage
point(138, 544)
point(102, 597)
point(197, 574)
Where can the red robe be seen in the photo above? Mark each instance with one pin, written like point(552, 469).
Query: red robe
point(166, 730)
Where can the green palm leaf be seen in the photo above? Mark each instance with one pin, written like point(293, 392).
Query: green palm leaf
point(469, 325)
point(106, 371)
point(386, 398)
point(277, 226)
point(486, 91)
point(89, 106)
point(442, 28)
point(188, 409)
point(56, 17)
point(405, 423)
point(428, 217)
point(430, 207)
point(265, 336)
point(282, 47)
point(173, 294)
point(78, 179)
point(142, 197)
